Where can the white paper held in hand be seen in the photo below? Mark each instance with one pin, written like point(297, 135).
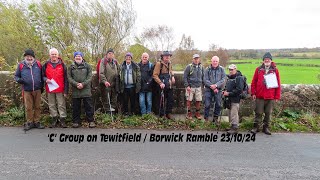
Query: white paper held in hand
point(271, 81)
point(53, 85)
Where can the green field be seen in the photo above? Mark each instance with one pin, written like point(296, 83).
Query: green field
point(285, 61)
point(294, 74)
point(292, 71)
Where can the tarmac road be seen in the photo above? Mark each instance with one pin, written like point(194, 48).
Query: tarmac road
point(33, 156)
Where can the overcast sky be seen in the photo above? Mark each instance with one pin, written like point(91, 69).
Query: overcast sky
point(241, 24)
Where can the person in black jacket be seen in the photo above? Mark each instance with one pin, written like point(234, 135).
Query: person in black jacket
point(145, 94)
point(234, 87)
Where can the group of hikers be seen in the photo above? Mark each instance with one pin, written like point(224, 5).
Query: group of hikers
point(129, 80)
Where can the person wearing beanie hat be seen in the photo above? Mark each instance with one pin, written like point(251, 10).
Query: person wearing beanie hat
point(263, 94)
point(77, 53)
point(267, 55)
point(29, 74)
point(108, 76)
point(164, 76)
point(79, 76)
point(130, 79)
point(29, 52)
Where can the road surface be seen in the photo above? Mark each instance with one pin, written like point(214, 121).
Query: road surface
point(33, 156)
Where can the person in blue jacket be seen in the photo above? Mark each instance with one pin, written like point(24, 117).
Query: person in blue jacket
point(29, 74)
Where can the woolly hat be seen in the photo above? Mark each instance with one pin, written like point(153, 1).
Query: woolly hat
point(267, 55)
point(128, 54)
point(77, 53)
point(29, 52)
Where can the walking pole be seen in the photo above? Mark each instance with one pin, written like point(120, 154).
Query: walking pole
point(221, 110)
point(161, 101)
point(187, 102)
point(24, 111)
point(110, 105)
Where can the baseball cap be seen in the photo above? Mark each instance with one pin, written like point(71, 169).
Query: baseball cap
point(195, 56)
point(232, 66)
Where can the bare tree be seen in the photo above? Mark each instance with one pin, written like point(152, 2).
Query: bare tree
point(92, 26)
point(159, 38)
point(183, 54)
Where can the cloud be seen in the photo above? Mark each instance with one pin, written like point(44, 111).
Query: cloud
point(235, 24)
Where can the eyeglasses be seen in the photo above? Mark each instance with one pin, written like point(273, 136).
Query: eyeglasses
point(231, 69)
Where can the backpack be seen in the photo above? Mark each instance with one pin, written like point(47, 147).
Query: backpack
point(191, 69)
point(245, 91)
point(98, 67)
point(161, 66)
point(38, 63)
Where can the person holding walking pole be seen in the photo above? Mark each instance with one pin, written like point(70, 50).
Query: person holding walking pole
point(29, 75)
point(163, 75)
point(214, 80)
point(109, 70)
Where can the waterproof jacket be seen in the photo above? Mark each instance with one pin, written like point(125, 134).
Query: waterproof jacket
point(58, 72)
point(146, 76)
point(214, 76)
point(136, 76)
point(235, 85)
point(29, 76)
point(109, 72)
point(80, 73)
point(258, 86)
point(193, 75)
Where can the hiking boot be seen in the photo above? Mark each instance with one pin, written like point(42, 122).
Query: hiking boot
point(63, 122)
point(92, 125)
point(266, 131)
point(75, 125)
point(38, 125)
point(233, 129)
point(255, 128)
point(198, 116)
point(169, 116)
point(189, 115)
point(215, 119)
point(53, 122)
point(28, 126)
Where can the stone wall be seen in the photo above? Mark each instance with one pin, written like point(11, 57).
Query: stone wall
point(296, 97)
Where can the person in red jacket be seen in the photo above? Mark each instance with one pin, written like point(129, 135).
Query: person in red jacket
point(264, 92)
point(55, 76)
